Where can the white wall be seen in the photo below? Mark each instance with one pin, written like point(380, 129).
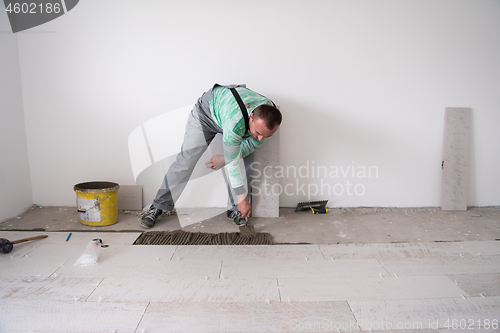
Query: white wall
point(15, 179)
point(360, 83)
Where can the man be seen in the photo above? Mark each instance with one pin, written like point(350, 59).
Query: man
point(245, 120)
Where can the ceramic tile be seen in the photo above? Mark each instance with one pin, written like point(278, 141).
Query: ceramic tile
point(28, 266)
point(68, 316)
point(343, 289)
point(340, 289)
point(456, 156)
point(248, 317)
point(301, 268)
point(481, 248)
point(387, 251)
point(144, 262)
point(424, 313)
point(52, 288)
point(249, 252)
point(186, 290)
point(477, 284)
point(444, 265)
point(430, 287)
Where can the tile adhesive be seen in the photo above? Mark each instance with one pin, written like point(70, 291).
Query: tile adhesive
point(246, 236)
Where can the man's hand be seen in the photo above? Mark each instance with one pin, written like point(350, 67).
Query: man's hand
point(216, 162)
point(244, 206)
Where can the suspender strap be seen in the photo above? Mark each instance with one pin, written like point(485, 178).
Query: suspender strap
point(243, 109)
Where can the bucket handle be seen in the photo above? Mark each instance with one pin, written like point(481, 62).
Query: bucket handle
point(95, 203)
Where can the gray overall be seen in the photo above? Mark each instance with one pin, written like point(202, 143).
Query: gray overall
point(200, 131)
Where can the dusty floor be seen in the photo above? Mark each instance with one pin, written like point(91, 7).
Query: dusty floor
point(339, 226)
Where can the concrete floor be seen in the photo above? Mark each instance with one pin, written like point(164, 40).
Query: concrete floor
point(339, 226)
point(442, 273)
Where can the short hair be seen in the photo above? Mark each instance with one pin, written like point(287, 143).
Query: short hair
point(270, 114)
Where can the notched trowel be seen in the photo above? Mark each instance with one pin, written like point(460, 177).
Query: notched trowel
point(315, 205)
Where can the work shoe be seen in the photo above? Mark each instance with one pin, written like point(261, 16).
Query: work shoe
point(236, 217)
point(149, 218)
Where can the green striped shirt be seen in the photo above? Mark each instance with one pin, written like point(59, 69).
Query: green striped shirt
point(227, 114)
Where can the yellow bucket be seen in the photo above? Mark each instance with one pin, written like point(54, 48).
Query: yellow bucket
point(97, 203)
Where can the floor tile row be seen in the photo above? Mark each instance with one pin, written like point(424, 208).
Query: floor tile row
point(408, 316)
point(157, 289)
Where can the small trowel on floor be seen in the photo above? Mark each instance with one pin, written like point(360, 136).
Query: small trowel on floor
point(317, 207)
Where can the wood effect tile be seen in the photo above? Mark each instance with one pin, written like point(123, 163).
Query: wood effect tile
point(477, 284)
point(186, 290)
point(387, 251)
point(456, 156)
point(439, 286)
point(481, 248)
point(444, 265)
point(28, 266)
point(52, 288)
point(475, 330)
point(423, 313)
point(68, 316)
point(247, 317)
point(248, 252)
point(339, 289)
point(301, 268)
point(150, 267)
point(407, 331)
point(344, 289)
